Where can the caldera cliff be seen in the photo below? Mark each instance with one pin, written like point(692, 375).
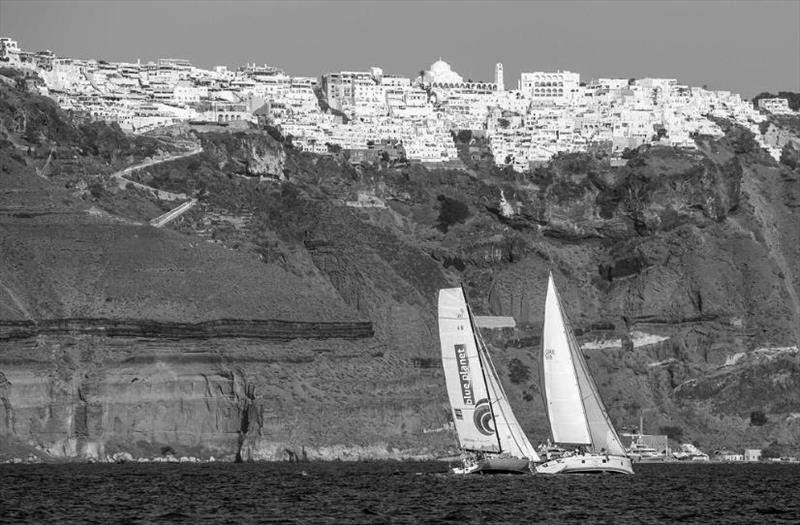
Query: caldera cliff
point(293, 308)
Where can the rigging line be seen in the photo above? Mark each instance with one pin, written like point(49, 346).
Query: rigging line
point(570, 337)
point(502, 393)
point(593, 390)
point(473, 327)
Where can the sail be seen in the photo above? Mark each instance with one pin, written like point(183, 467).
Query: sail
point(576, 412)
point(464, 376)
point(512, 438)
point(561, 391)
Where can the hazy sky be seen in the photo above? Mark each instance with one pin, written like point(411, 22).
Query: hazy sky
point(744, 46)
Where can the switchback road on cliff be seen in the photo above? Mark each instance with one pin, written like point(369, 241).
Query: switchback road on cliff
point(176, 212)
point(161, 194)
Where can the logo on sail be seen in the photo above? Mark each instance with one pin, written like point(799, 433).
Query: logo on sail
point(464, 378)
point(482, 417)
point(548, 354)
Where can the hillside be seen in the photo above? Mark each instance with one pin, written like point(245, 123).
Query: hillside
point(681, 271)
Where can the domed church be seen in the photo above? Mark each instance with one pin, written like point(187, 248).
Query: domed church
point(441, 73)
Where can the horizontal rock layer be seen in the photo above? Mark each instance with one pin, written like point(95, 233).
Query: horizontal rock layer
point(266, 329)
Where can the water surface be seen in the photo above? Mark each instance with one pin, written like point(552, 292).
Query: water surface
point(390, 492)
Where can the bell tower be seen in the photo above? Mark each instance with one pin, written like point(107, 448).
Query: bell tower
point(498, 76)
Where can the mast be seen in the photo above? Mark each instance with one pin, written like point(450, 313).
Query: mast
point(475, 336)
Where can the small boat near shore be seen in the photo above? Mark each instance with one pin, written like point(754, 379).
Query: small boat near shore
point(639, 452)
point(489, 434)
point(578, 419)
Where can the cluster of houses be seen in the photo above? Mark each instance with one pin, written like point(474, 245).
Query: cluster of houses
point(375, 115)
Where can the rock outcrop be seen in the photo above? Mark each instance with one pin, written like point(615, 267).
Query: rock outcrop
point(245, 153)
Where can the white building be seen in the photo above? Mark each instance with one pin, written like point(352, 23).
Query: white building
point(776, 106)
point(752, 454)
point(558, 87)
point(9, 52)
point(186, 92)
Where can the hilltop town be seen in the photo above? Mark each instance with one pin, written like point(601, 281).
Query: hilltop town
point(375, 115)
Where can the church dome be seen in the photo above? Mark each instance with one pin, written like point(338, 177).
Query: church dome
point(441, 73)
point(440, 66)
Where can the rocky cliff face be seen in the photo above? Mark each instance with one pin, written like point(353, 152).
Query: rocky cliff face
point(244, 153)
point(300, 314)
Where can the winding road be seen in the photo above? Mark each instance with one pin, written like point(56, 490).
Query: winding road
point(161, 194)
point(176, 212)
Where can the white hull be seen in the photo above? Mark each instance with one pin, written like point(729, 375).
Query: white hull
point(586, 464)
point(495, 466)
point(648, 459)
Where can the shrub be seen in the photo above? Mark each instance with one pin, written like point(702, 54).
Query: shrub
point(451, 211)
point(518, 372)
point(464, 136)
point(774, 450)
point(758, 418)
point(790, 156)
point(96, 189)
point(672, 432)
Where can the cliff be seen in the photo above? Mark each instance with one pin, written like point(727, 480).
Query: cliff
point(300, 313)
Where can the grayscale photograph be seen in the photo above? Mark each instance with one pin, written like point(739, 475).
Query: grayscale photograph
point(399, 261)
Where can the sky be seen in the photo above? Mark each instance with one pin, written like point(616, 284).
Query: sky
point(743, 46)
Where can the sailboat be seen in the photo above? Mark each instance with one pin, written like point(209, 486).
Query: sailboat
point(489, 435)
point(578, 419)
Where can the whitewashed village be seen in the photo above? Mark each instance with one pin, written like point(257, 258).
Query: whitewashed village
point(372, 114)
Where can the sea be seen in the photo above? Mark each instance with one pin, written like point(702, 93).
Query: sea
point(393, 493)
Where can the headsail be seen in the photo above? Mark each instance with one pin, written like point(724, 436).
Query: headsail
point(574, 407)
point(466, 384)
point(561, 391)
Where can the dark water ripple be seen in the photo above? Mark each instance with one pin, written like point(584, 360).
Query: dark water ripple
point(388, 492)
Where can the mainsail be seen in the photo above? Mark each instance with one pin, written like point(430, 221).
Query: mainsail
point(483, 417)
point(576, 412)
point(463, 372)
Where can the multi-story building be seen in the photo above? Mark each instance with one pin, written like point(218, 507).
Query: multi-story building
point(544, 87)
point(9, 52)
point(777, 106)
